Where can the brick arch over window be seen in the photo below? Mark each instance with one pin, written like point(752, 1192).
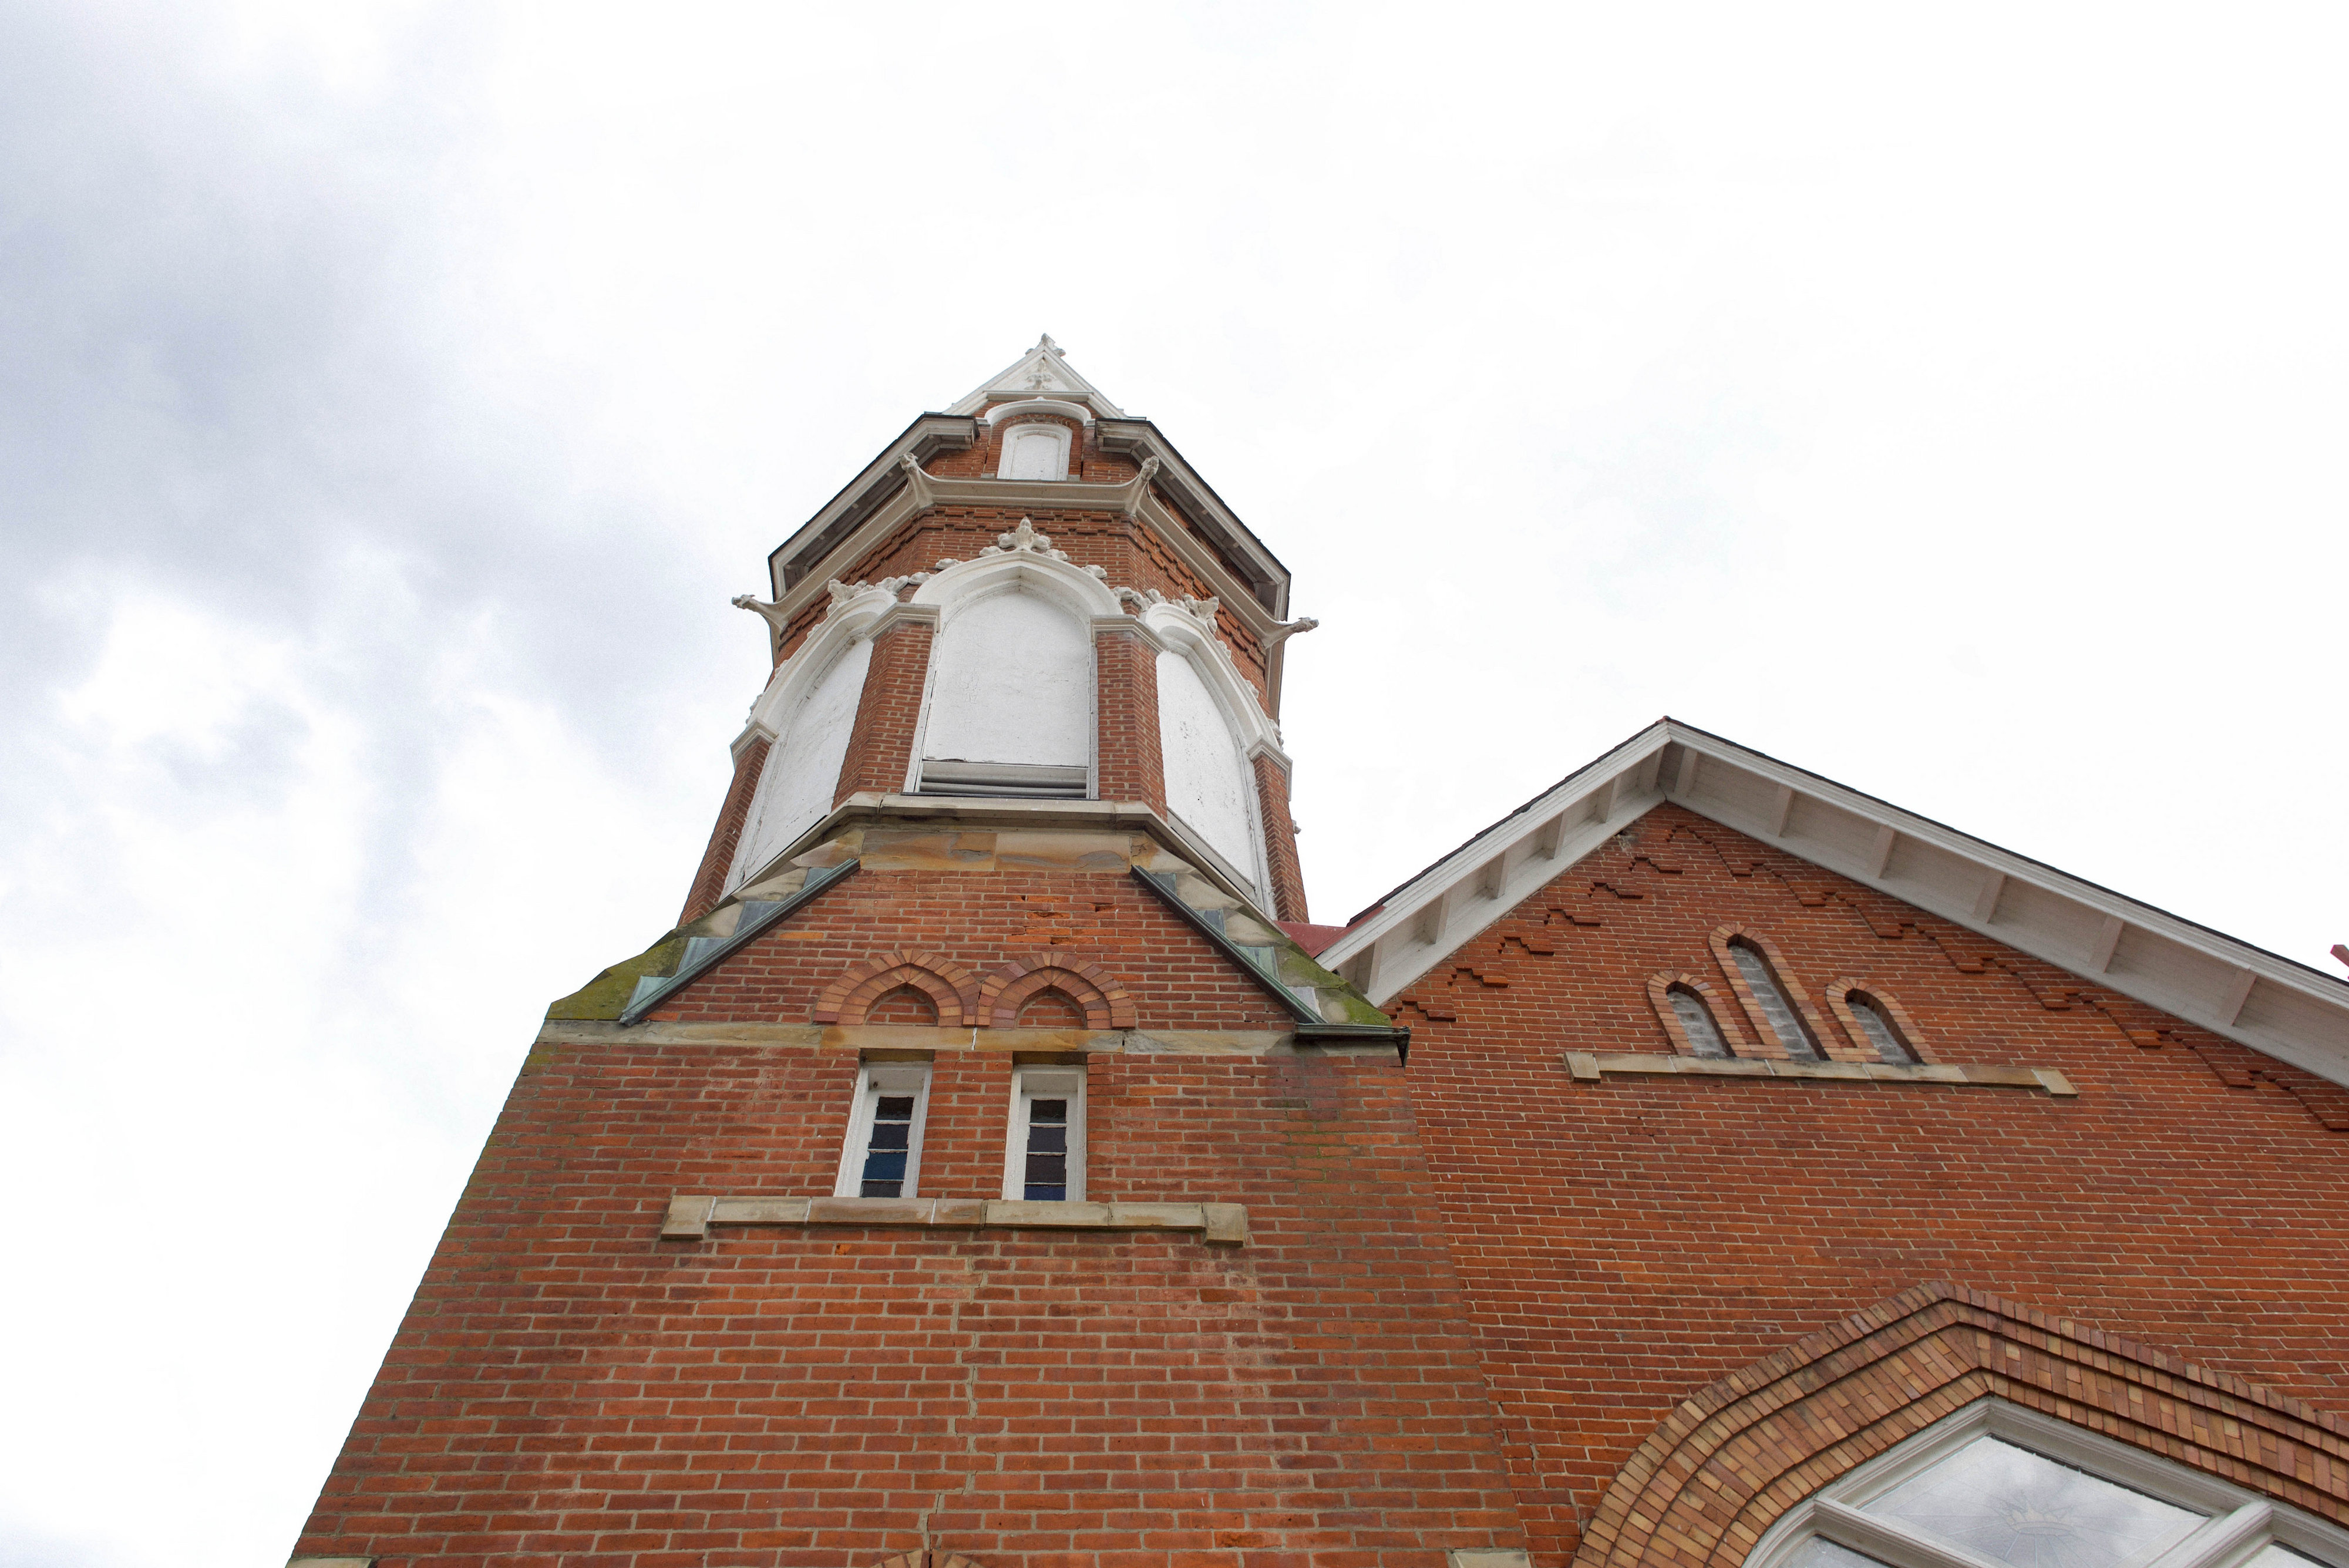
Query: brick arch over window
point(1733, 1457)
point(1904, 1027)
point(1833, 1045)
point(1660, 989)
point(1104, 1001)
point(950, 987)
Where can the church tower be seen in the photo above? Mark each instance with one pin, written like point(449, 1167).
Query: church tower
point(982, 1167)
point(993, 1169)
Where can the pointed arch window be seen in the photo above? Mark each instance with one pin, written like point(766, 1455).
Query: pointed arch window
point(1776, 1014)
point(1875, 1019)
point(1996, 1483)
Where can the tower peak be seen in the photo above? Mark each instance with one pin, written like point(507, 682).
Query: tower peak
point(1043, 372)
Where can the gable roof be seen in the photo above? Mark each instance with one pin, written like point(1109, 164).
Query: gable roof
point(2289, 1011)
point(1043, 372)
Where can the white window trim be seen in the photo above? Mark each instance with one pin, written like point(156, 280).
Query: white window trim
point(1050, 1083)
point(875, 1079)
point(2240, 1524)
point(1011, 433)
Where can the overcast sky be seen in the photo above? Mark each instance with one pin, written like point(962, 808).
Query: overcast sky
point(390, 400)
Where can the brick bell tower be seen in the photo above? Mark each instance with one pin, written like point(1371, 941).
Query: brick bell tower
point(982, 1171)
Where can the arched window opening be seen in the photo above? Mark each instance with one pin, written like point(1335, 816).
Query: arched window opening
point(1210, 787)
point(1696, 1023)
point(802, 768)
point(1010, 700)
point(1786, 1025)
point(906, 1004)
point(1034, 452)
point(1999, 1483)
point(1875, 1022)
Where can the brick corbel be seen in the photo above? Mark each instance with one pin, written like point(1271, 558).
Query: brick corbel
point(1736, 1455)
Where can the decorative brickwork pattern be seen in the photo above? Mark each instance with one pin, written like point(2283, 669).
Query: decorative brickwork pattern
point(951, 987)
point(1839, 1003)
point(1280, 840)
point(1125, 703)
point(1094, 988)
point(888, 712)
point(709, 881)
point(1739, 1453)
point(1624, 1243)
point(1659, 988)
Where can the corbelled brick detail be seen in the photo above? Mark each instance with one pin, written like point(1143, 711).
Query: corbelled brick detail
point(709, 881)
point(1735, 1456)
point(1132, 766)
point(1092, 988)
point(888, 711)
point(1626, 1243)
point(950, 987)
point(1280, 840)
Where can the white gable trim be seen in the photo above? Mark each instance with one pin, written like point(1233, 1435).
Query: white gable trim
point(1042, 372)
point(2232, 989)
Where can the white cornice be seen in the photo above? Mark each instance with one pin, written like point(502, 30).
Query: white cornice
point(2232, 989)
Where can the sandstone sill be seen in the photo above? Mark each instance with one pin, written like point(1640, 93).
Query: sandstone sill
point(690, 1215)
point(1590, 1067)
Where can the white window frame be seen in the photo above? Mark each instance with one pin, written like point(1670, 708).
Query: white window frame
point(875, 1079)
point(1052, 1082)
point(2241, 1523)
point(1011, 435)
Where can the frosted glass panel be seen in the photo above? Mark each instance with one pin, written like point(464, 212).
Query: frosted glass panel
point(1696, 1023)
point(1879, 1029)
point(2273, 1556)
point(1783, 1022)
point(1817, 1554)
point(2014, 1506)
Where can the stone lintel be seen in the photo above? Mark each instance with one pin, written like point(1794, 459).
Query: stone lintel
point(1592, 1067)
point(691, 1214)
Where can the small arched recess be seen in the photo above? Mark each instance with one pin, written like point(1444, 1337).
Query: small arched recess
point(809, 707)
point(1010, 705)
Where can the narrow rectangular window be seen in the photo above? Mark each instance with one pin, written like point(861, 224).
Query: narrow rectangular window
point(883, 1158)
point(1046, 1160)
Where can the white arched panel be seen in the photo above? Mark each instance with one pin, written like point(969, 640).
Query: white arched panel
point(1209, 784)
point(1034, 452)
point(802, 771)
point(1012, 683)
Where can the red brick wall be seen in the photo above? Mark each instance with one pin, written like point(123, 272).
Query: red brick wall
point(1125, 706)
point(568, 1389)
point(1625, 1244)
point(709, 881)
point(888, 711)
point(1178, 981)
point(1280, 839)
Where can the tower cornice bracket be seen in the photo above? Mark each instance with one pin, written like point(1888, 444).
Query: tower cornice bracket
point(918, 486)
point(1138, 488)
